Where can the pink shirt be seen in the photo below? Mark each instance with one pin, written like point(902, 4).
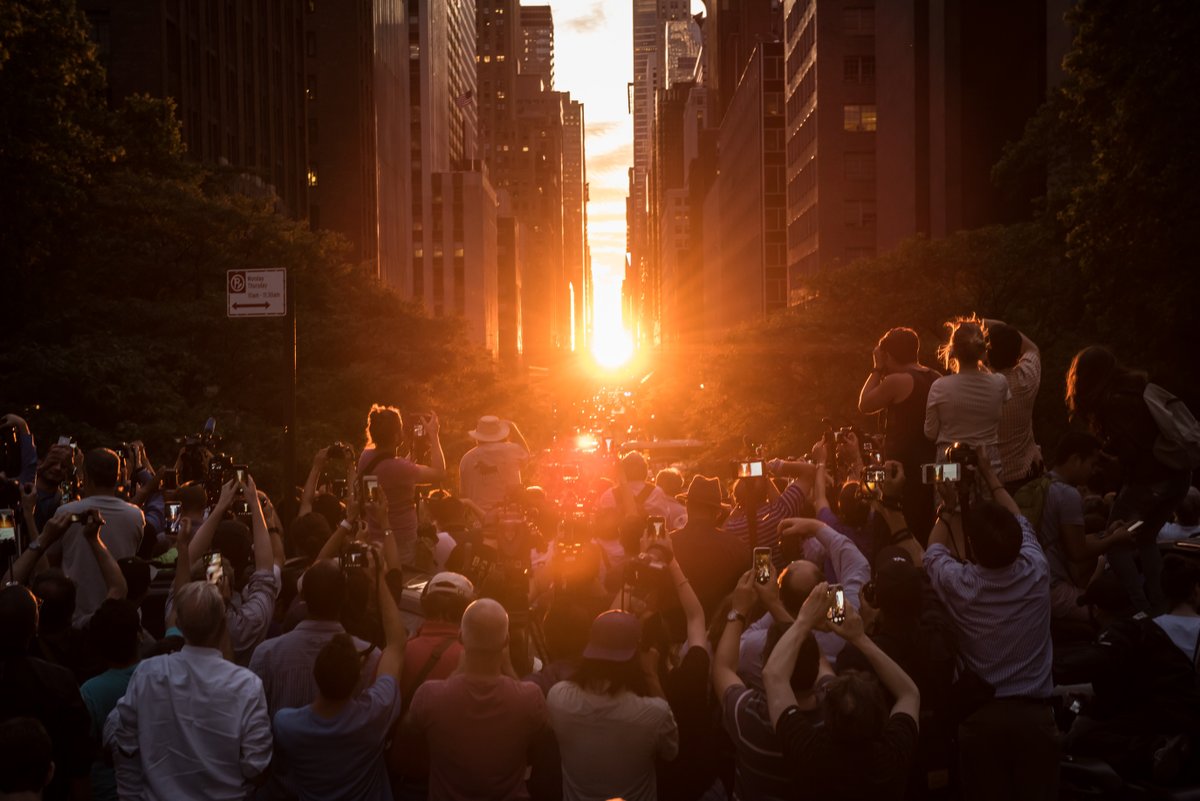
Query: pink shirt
point(398, 478)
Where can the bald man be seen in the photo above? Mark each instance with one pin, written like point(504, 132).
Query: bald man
point(191, 724)
point(820, 543)
point(481, 722)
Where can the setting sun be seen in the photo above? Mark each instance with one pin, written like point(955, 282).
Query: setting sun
point(612, 350)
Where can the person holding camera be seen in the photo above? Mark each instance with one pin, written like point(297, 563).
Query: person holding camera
point(124, 525)
point(489, 473)
point(1121, 407)
point(761, 771)
point(965, 405)
point(999, 608)
point(247, 561)
point(898, 388)
point(855, 728)
point(380, 465)
point(1016, 357)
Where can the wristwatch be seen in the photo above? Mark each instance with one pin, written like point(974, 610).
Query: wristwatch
point(34, 545)
point(736, 615)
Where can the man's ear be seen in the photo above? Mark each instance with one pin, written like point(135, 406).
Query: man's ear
point(49, 776)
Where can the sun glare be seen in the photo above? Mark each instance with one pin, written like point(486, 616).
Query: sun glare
point(613, 350)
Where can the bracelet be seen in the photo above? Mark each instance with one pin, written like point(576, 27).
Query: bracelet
point(681, 583)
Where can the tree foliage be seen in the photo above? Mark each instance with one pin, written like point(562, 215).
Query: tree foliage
point(121, 246)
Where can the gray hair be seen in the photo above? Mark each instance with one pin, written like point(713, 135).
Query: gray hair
point(201, 612)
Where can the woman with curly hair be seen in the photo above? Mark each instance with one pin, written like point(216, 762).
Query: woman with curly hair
point(965, 404)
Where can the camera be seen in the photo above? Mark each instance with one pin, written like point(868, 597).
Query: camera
point(645, 574)
point(174, 508)
point(82, 518)
point(962, 454)
point(355, 556)
point(751, 468)
point(947, 473)
point(870, 484)
point(8, 532)
point(194, 449)
point(371, 489)
point(656, 527)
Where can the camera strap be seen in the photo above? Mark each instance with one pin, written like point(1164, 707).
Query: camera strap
point(367, 470)
point(435, 656)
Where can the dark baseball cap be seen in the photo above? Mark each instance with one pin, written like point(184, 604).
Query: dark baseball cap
point(614, 638)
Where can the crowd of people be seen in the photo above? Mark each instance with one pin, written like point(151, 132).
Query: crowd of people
point(892, 618)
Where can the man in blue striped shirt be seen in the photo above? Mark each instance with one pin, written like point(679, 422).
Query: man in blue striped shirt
point(999, 605)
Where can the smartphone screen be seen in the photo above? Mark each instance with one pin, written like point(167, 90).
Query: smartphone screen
point(8, 526)
point(371, 485)
point(1134, 526)
point(762, 565)
point(214, 567)
point(656, 527)
point(951, 471)
point(241, 472)
point(837, 604)
point(173, 509)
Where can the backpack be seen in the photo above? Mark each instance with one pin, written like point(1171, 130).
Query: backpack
point(1178, 441)
point(1031, 499)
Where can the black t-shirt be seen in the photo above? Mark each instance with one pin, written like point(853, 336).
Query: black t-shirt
point(829, 771)
point(695, 769)
point(37, 689)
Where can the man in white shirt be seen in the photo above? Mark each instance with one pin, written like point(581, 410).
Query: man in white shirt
point(191, 724)
point(651, 499)
point(122, 532)
point(491, 471)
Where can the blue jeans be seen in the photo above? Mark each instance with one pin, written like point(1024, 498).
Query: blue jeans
point(1153, 504)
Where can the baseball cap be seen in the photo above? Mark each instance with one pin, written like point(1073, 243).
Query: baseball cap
point(614, 637)
point(448, 583)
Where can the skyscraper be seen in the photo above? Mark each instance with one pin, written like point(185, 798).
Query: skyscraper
point(235, 72)
point(500, 45)
point(574, 193)
point(649, 45)
point(537, 46)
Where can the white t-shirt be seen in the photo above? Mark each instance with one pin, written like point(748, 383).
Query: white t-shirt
point(609, 743)
point(656, 503)
point(965, 407)
point(1173, 531)
point(124, 524)
point(1184, 631)
point(490, 471)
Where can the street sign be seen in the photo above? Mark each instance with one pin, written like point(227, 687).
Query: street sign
point(256, 293)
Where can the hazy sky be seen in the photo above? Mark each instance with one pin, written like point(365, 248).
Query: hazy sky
point(593, 55)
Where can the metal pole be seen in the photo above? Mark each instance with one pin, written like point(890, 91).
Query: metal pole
point(289, 417)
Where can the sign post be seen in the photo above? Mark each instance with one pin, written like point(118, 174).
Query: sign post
point(268, 293)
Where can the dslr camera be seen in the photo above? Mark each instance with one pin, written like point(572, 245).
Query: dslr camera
point(340, 450)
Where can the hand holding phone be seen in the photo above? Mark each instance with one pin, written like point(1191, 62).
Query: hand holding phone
point(762, 565)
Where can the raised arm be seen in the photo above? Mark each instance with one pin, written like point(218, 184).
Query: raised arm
point(693, 611)
point(114, 579)
point(436, 471)
point(264, 552)
point(203, 538)
point(395, 635)
point(310, 484)
point(898, 683)
point(995, 486)
point(517, 436)
point(23, 565)
point(725, 661)
point(777, 672)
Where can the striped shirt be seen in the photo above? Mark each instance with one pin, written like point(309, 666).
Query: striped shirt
point(1018, 451)
point(789, 504)
point(285, 663)
point(1001, 616)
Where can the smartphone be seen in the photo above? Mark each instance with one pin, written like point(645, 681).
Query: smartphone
point(1134, 526)
point(356, 559)
point(873, 478)
point(837, 604)
point(371, 488)
point(241, 473)
point(762, 565)
point(170, 480)
point(751, 469)
point(656, 527)
point(214, 567)
point(941, 473)
point(81, 518)
point(173, 510)
point(8, 526)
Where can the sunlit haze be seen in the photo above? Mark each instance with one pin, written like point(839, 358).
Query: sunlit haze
point(593, 60)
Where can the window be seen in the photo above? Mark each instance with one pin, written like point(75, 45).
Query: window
point(858, 21)
point(860, 213)
point(858, 118)
point(860, 166)
point(312, 175)
point(858, 69)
